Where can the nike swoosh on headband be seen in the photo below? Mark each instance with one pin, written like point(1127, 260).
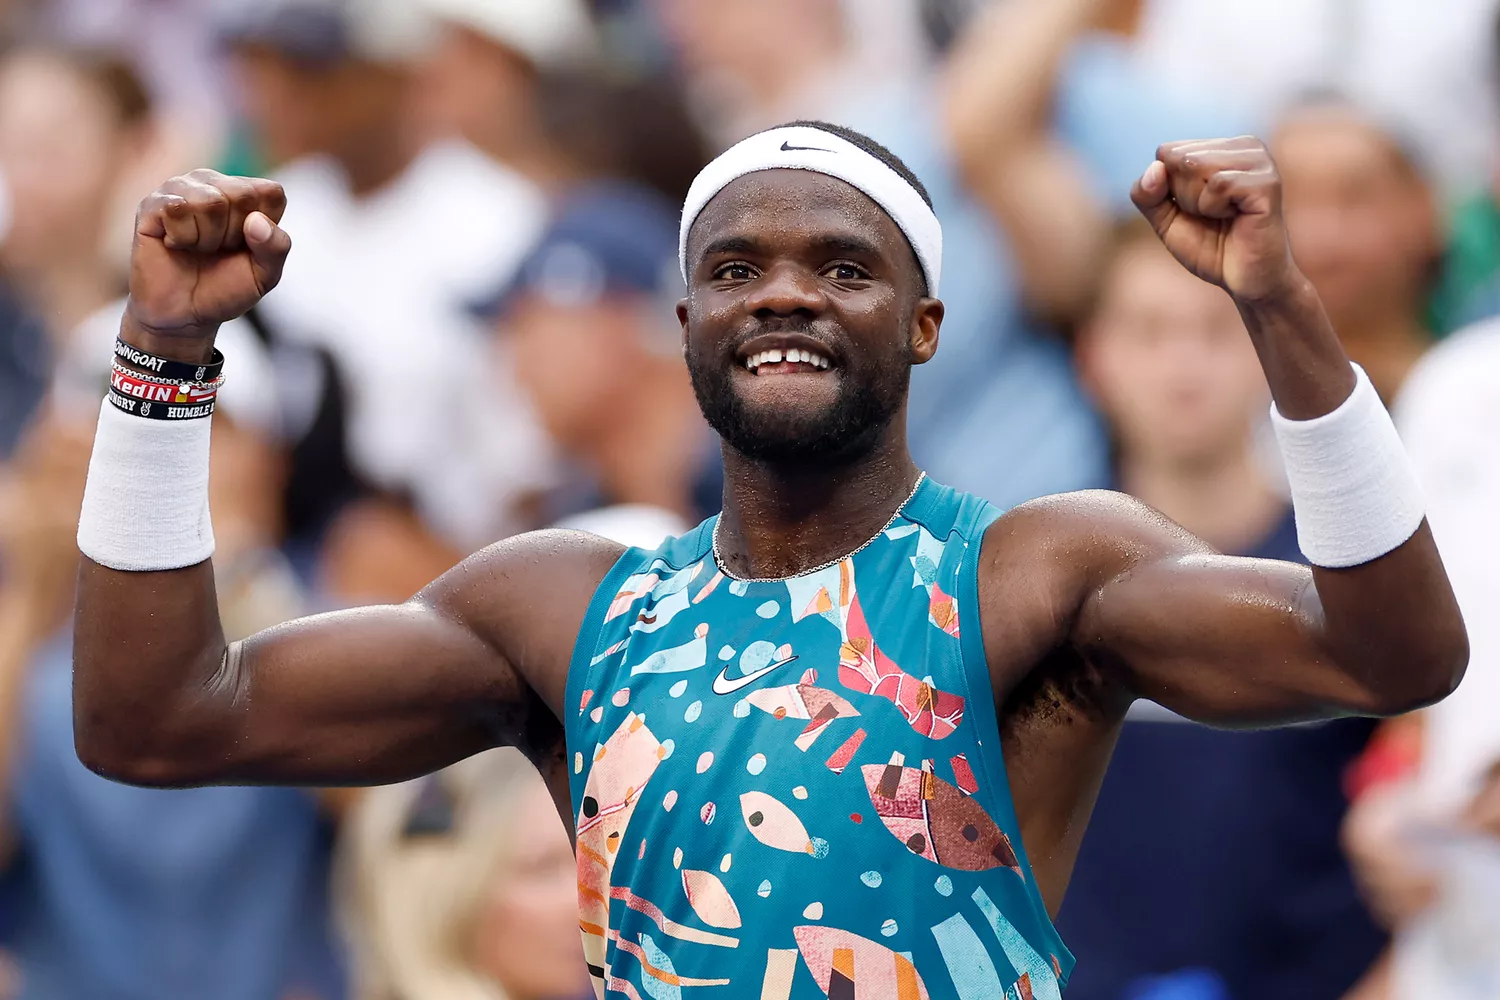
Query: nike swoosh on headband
point(723, 685)
point(787, 147)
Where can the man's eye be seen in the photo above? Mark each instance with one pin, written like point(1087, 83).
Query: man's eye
point(734, 272)
point(845, 272)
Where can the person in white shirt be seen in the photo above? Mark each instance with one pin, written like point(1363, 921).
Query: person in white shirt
point(332, 91)
point(1427, 848)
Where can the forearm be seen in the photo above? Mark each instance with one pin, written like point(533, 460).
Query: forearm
point(1002, 76)
point(1305, 364)
point(1391, 619)
point(998, 103)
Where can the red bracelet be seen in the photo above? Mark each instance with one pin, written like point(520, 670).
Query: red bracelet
point(129, 384)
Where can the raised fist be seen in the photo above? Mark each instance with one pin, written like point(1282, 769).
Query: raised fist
point(1216, 204)
point(207, 248)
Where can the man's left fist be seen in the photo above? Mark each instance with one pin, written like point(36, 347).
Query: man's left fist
point(1216, 204)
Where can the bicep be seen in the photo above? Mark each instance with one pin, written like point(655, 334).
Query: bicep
point(1158, 614)
point(1220, 639)
point(379, 694)
point(368, 695)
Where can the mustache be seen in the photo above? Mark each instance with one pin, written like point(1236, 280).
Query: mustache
point(787, 324)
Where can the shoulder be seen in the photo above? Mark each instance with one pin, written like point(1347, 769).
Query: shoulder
point(1103, 518)
point(526, 599)
point(559, 558)
point(1079, 541)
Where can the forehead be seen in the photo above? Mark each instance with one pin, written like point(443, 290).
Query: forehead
point(1332, 144)
point(782, 210)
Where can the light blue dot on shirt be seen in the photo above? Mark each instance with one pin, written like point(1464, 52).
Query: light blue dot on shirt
point(872, 879)
point(944, 885)
point(739, 588)
point(676, 689)
point(693, 711)
point(741, 709)
point(726, 652)
point(756, 655)
point(756, 764)
point(768, 609)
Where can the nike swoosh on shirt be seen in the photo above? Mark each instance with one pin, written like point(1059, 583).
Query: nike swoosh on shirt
point(723, 685)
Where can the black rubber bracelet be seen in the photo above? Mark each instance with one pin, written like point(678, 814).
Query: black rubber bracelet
point(161, 411)
point(174, 371)
point(141, 376)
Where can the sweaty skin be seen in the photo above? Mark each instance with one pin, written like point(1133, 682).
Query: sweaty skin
point(1088, 600)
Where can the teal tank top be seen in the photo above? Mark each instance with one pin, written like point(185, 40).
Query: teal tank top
point(795, 789)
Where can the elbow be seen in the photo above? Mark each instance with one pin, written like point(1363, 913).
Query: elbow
point(136, 750)
point(1426, 679)
point(110, 759)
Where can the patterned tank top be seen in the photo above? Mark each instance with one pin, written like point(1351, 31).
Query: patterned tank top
point(794, 789)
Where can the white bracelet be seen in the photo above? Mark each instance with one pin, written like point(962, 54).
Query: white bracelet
point(146, 503)
point(1354, 490)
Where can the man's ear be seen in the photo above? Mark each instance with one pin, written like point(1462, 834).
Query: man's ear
point(682, 318)
point(922, 338)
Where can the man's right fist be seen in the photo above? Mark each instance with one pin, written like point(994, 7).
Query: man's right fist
point(207, 248)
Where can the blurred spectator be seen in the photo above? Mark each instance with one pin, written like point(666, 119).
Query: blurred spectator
point(1470, 289)
point(1211, 866)
point(997, 411)
point(1069, 73)
point(1364, 229)
point(485, 77)
point(71, 124)
point(1426, 66)
point(143, 893)
point(394, 236)
point(1429, 882)
point(598, 348)
point(461, 886)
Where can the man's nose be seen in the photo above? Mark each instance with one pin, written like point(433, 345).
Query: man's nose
point(786, 289)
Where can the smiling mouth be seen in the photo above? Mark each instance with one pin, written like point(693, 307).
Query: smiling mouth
point(775, 361)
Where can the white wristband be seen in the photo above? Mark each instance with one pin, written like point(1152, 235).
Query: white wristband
point(1354, 491)
point(146, 503)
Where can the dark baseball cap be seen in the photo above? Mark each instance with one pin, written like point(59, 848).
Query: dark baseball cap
point(606, 239)
point(326, 32)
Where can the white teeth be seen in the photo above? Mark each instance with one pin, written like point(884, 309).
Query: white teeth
point(794, 355)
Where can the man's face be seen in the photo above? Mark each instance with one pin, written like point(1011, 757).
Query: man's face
point(300, 109)
point(793, 261)
point(1361, 222)
point(1168, 360)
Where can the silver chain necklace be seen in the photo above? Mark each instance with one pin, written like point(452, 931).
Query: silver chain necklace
point(719, 555)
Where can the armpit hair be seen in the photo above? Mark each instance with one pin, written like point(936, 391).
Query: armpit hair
point(1064, 685)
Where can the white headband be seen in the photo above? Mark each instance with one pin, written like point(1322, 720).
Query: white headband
point(802, 147)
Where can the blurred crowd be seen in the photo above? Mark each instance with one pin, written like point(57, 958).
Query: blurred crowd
point(475, 337)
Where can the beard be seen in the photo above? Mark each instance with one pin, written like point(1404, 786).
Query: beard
point(869, 397)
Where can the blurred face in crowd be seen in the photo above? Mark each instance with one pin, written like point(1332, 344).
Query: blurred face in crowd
point(795, 260)
point(477, 88)
point(576, 359)
point(63, 147)
point(526, 936)
point(1362, 222)
point(1168, 360)
point(298, 108)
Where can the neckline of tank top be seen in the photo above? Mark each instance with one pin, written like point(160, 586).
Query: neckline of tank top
point(895, 515)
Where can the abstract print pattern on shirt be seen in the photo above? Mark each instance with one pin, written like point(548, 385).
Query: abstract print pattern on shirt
point(794, 789)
